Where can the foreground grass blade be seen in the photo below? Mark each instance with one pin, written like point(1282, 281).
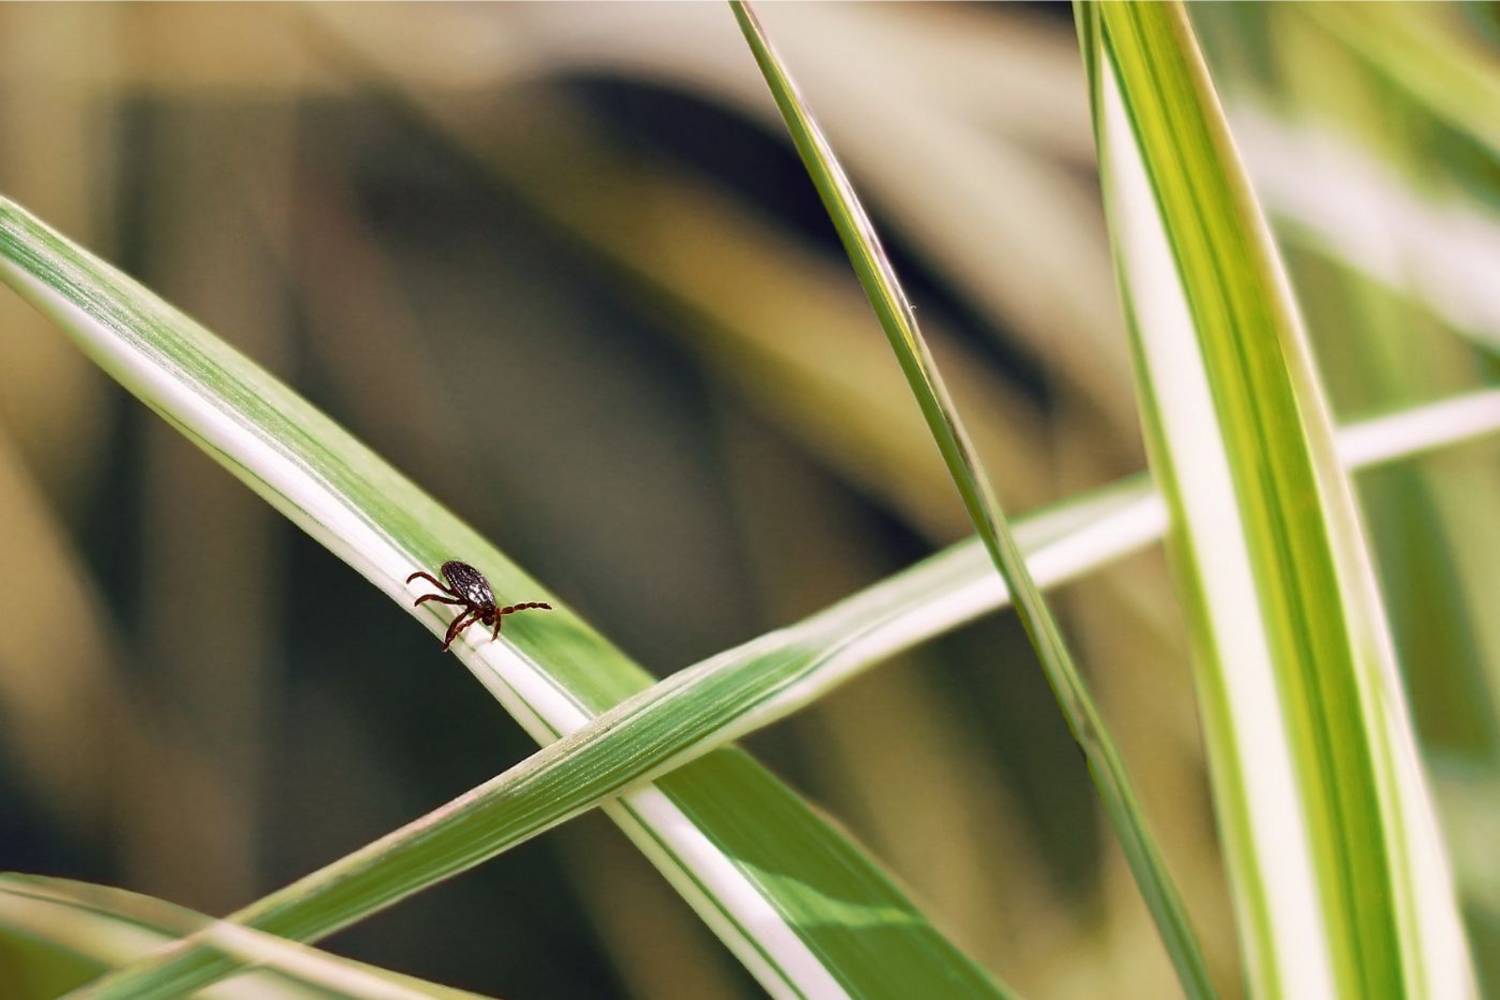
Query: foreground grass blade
point(900, 324)
point(678, 719)
point(747, 688)
point(1340, 879)
point(723, 831)
point(765, 680)
point(102, 927)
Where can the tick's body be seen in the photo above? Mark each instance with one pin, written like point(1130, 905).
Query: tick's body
point(467, 588)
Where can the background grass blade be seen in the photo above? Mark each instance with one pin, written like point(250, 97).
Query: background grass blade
point(840, 927)
point(1428, 53)
point(63, 932)
point(1315, 768)
point(899, 322)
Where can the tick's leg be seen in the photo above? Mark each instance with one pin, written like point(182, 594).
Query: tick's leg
point(434, 581)
point(457, 602)
point(528, 606)
point(512, 609)
point(464, 619)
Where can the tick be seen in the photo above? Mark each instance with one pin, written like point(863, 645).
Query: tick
point(467, 588)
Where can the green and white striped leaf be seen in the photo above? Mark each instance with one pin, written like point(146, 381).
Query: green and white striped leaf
point(899, 321)
point(803, 907)
point(751, 686)
point(699, 709)
point(94, 928)
point(1341, 884)
point(747, 688)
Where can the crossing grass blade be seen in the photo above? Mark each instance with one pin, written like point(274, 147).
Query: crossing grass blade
point(1340, 879)
point(805, 909)
point(749, 687)
point(900, 324)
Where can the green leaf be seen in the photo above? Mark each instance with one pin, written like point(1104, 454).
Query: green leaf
point(900, 324)
point(747, 688)
point(803, 907)
point(678, 719)
point(1340, 879)
point(753, 685)
point(103, 927)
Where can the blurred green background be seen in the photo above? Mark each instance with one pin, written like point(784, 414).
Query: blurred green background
point(557, 263)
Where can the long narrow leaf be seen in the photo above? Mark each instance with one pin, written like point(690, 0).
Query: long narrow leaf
point(1340, 879)
point(109, 927)
point(900, 324)
point(747, 688)
point(803, 907)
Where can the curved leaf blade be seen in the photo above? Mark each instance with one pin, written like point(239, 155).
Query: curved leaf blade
point(107, 927)
point(1340, 877)
point(753, 685)
point(897, 318)
point(721, 830)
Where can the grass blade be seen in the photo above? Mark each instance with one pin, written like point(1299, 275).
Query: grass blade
point(1339, 875)
point(747, 688)
point(900, 324)
point(107, 927)
point(752, 686)
point(722, 830)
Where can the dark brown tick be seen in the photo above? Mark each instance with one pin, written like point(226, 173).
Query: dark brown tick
point(467, 588)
